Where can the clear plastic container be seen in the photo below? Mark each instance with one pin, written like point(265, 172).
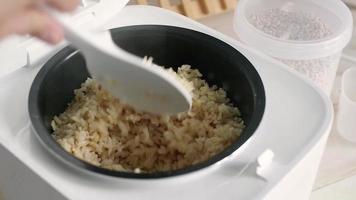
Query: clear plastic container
point(307, 35)
point(346, 117)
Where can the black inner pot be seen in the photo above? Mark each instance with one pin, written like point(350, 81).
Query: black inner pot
point(170, 46)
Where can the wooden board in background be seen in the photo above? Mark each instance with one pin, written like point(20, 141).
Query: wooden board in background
point(194, 9)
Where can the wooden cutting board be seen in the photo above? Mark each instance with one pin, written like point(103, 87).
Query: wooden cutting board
point(194, 9)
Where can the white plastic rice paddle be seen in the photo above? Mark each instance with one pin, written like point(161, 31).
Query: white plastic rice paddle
point(146, 87)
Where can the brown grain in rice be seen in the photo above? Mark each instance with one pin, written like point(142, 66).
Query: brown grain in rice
point(102, 130)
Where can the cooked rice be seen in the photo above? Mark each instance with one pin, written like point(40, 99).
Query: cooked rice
point(102, 130)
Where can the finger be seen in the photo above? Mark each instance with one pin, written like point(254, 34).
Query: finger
point(10, 7)
point(36, 23)
point(53, 32)
point(64, 5)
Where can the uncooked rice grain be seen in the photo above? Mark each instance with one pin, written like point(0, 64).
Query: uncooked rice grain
point(102, 130)
point(297, 25)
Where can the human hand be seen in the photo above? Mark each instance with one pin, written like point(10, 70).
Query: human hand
point(26, 17)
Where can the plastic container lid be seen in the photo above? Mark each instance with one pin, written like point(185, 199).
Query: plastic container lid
point(294, 29)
